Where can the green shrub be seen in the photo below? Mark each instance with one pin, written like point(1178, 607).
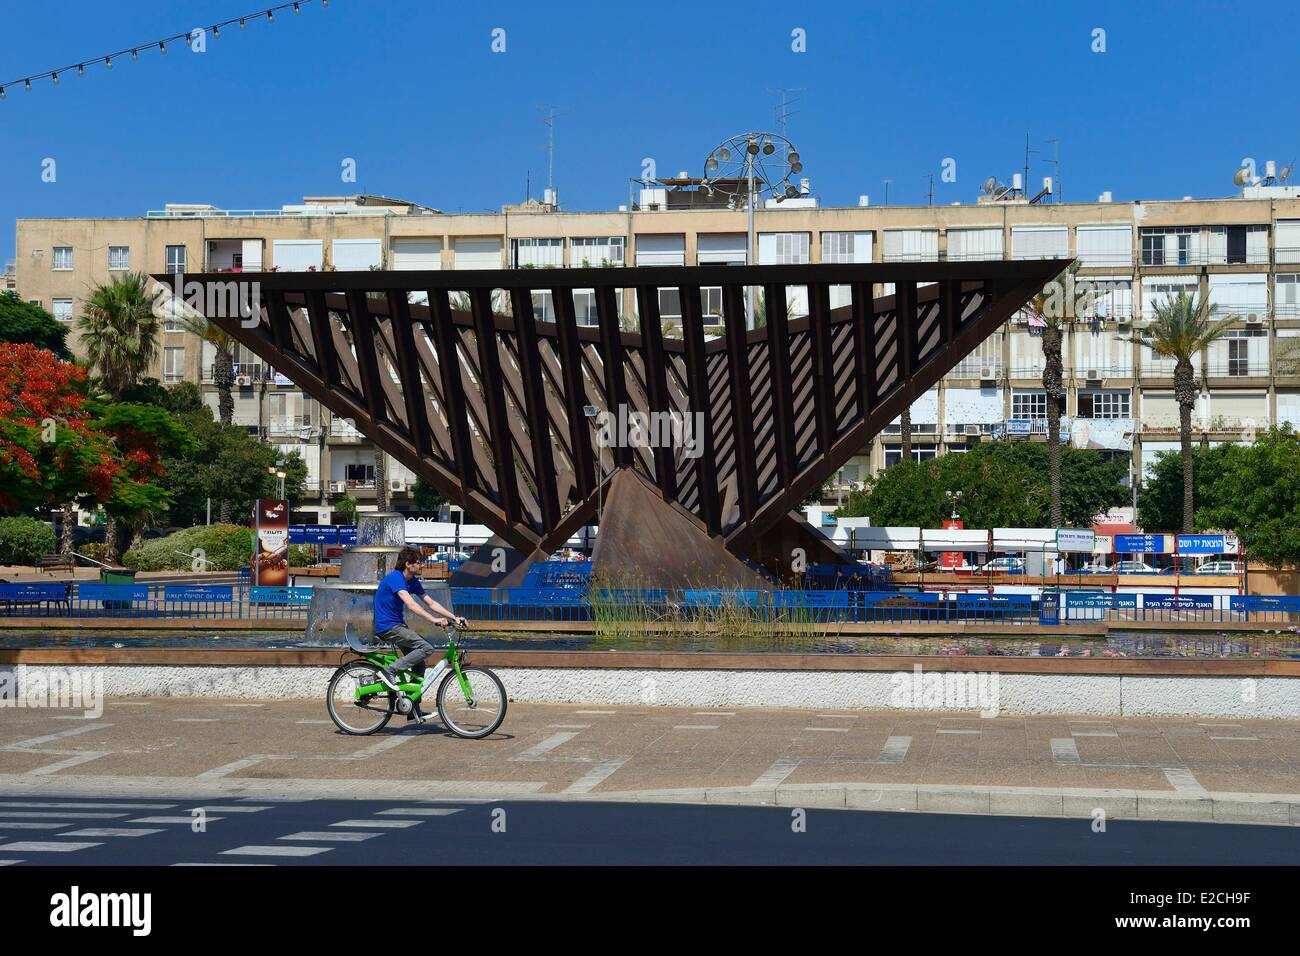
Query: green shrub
point(24, 540)
point(225, 547)
point(302, 555)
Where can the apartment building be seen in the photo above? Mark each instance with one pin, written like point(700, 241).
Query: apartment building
point(1242, 253)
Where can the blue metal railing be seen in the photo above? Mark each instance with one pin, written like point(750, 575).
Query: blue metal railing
point(204, 601)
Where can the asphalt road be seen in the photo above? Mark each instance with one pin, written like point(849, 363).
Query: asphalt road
point(82, 832)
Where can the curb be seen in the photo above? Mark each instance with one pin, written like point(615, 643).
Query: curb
point(1063, 803)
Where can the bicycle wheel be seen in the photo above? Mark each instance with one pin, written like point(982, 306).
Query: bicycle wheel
point(357, 716)
point(482, 713)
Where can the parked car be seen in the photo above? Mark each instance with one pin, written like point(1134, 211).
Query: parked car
point(1133, 567)
point(1219, 567)
point(1005, 565)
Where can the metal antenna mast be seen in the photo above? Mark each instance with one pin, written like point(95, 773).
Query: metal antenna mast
point(1056, 169)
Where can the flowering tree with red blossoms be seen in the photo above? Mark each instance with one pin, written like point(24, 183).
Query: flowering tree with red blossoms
point(59, 444)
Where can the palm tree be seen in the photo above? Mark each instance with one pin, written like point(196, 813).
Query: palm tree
point(119, 333)
point(1054, 306)
point(1182, 327)
point(905, 433)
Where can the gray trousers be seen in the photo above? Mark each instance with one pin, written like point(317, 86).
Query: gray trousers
point(416, 649)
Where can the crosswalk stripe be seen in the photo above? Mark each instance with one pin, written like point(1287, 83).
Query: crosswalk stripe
point(420, 811)
point(88, 806)
point(44, 846)
point(339, 836)
point(111, 832)
point(389, 824)
point(229, 809)
point(6, 814)
point(171, 819)
point(276, 851)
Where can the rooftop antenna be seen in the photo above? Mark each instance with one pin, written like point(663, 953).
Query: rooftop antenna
point(1055, 162)
point(1027, 152)
point(549, 120)
point(931, 200)
point(782, 110)
point(887, 183)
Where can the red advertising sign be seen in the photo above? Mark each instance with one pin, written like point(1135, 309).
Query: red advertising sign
point(270, 543)
point(951, 560)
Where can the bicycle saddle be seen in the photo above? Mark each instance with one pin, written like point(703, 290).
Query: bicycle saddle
point(355, 642)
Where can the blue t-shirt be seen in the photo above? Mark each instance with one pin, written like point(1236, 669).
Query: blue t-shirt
point(389, 609)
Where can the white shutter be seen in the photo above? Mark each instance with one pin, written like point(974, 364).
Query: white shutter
point(661, 250)
point(252, 254)
point(1239, 294)
point(1040, 242)
point(297, 255)
point(1286, 240)
point(417, 255)
point(965, 244)
point(357, 255)
point(846, 246)
point(911, 245)
point(972, 406)
point(1288, 408)
point(721, 249)
point(1237, 408)
point(1159, 409)
point(1105, 245)
point(477, 253)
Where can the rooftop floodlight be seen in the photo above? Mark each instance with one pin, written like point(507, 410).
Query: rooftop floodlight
point(752, 147)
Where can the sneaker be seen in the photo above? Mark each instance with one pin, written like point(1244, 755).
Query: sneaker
point(389, 680)
point(417, 715)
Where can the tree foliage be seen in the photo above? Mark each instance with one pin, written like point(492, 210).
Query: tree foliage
point(1002, 484)
point(23, 322)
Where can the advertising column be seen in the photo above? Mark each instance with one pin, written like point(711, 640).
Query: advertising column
point(270, 543)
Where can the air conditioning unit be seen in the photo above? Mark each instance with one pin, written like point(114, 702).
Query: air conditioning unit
point(1254, 319)
point(244, 381)
point(396, 484)
point(1094, 375)
point(988, 373)
point(339, 486)
point(971, 430)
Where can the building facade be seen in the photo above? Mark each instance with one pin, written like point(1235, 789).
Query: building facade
point(1242, 253)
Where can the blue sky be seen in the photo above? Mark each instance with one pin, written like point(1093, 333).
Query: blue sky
point(412, 91)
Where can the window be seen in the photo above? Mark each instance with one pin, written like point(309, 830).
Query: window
point(1169, 246)
point(1027, 403)
point(175, 259)
point(670, 304)
point(1238, 245)
point(362, 476)
point(894, 453)
point(723, 249)
point(544, 306)
point(711, 304)
point(1104, 245)
point(846, 246)
point(119, 258)
point(592, 251)
point(537, 253)
point(62, 310)
point(584, 306)
point(62, 259)
point(1110, 403)
point(1040, 242)
point(969, 244)
point(657, 250)
point(783, 248)
point(911, 245)
point(1287, 292)
point(173, 364)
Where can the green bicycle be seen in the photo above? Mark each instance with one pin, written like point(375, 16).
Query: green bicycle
point(471, 699)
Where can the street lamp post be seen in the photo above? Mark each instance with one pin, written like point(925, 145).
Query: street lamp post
point(749, 159)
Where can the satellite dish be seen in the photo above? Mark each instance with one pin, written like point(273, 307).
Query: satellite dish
point(990, 184)
point(1242, 177)
point(1001, 191)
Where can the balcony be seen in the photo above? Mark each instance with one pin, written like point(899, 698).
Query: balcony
point(1286, 254)
point(345, 430)
point(246, 374)
point(293, 426)
point(973, 367)
point(1237, 368)
point(1027, 428)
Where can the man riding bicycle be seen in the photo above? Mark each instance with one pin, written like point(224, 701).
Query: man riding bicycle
point(392, 599)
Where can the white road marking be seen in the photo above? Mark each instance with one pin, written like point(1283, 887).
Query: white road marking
point(9, 825)
point(829, 730)
point(775, 775)
point(895, 750)
point(9, 862)
point(596, 775)
point(1234, 738)
point(547, 745)
point(420, 811)
point(70, 762)
point(697, 727)
point(1217, 725)
point(185, 820)
point(59, 815)
point(315, 721)
point(384, 824)
point(955, 730)
point(229, 809)
point(241, 705)
point(71, 732)
point(714, 713)
point(111, 832)
point(277, 851)
point(42, 846)
point(96, 805)
point(595, 712)
point(129, 703)
point(1182, 780)
point(226, 770)
point(196, 720)
point(839, 716)
point(1065, 750)
point(382, 746)
point(223, 864)
point(1093, 733)
point(338, 836)
point(570, 726)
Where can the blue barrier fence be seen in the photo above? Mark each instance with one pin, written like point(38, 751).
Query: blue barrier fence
point(207, 601)
point(1180, 608)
